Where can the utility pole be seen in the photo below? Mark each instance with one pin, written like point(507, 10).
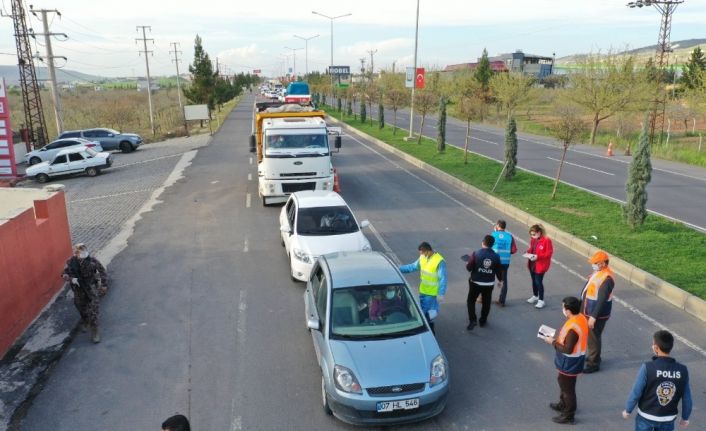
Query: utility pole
point(306, 51)
point(372, 62)
point(411, 106)
point(176, 61)
point(393, 66)
point(362, 66)
point(144, 40)
point(31, 96)
point(50, 64)
point(332, 18)
point(294, 59)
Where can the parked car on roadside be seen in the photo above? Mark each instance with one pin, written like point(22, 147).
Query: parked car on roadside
point(79, 160)
point(313, 223)
point(110, 139)
point(380, 363)
point(49, 151)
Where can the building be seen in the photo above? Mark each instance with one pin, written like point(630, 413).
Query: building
point(535, 65)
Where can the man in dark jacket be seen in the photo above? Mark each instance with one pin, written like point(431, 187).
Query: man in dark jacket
point(88, 281)
point(596, 305)
point(484, 266)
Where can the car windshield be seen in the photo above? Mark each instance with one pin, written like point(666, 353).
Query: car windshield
point(290, 142)
point(374, 312)
point(91, 152)
point(326, 221)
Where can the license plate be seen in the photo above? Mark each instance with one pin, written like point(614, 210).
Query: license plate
point(389, 406)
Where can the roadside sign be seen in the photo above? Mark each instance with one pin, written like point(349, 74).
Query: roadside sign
point(257, 71)
point(419, 79)
point(196, 112)
point(409, 77)
point(7, 149)
point(340, 71)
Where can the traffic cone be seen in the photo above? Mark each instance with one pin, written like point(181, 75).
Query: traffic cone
point(610, 149)
point(336, 184)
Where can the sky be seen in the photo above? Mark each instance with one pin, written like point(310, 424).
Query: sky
point(256, 35)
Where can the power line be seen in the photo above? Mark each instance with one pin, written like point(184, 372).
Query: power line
point(144, 40)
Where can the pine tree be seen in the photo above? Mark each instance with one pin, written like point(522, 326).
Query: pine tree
point(510, 148)
point(339, 105)
point(350, 107)
point(363, 113)
point(381, 115)
point(441, 126)
point(694, 68)
point(639, 176)
point(483, 72)
point(203, 82)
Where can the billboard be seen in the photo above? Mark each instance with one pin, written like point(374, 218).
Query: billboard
point(196, 112)
point(342, 72)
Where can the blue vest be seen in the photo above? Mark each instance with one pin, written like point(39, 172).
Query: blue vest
point(503, 245)
point(666, 380)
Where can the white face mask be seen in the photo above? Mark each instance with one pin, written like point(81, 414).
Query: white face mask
point(83, 254)
point(565, 312)
point(390, 294)
point(595, 267)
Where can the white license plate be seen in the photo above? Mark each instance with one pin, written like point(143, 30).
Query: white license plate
point(389, 406)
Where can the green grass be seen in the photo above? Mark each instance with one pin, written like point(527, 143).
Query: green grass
point(666, 249)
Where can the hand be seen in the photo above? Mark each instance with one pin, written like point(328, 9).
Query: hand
point(74, 281)
point(625, 414)
point(683, 423)
point(549, 340)
point(533, 257)
point(591, 322)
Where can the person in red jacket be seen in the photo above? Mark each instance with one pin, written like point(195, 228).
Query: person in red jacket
point(539, 258)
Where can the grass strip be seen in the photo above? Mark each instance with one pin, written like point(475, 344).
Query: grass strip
point(669, 250)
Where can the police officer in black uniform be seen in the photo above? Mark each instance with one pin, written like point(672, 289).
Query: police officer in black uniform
point(659, 386)
point(484, 266)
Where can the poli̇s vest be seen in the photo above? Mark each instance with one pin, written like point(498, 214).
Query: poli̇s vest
point(429, 279)
point(572, 363)
point(483, 273)
point(503, 245)
point(591, 293)
point(666, 379)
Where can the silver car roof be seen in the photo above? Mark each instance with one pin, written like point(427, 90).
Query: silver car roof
point(361, 268)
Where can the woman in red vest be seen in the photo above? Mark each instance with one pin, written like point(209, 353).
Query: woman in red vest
point(539, 258)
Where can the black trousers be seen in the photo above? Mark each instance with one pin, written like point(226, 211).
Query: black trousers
point(567, 395)
point(486, 293)
point(593, 353)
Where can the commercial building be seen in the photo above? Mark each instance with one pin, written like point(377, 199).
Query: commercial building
point(530, 64)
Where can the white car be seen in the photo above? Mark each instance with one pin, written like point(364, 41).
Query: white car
point(72, 161)
point(49, 151)
point(319, 222)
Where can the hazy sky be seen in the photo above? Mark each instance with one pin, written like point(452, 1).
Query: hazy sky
point(246, 35)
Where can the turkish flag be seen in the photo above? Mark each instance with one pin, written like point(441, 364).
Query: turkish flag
point(419, 80)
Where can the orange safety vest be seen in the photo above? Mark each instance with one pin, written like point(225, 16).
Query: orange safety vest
point(590, 293)
point(572, 363)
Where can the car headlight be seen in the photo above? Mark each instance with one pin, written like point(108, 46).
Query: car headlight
point(300, 255)
point(345, 380)
point(438, 371)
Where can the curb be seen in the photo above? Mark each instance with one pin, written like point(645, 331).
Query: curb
point(668, 292)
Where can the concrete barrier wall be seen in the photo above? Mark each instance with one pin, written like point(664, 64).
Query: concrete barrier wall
point(34, 244)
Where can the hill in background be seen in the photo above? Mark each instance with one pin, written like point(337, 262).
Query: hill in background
point(681, 51)
point(12, 75)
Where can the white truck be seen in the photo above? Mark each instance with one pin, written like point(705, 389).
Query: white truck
point(293, 151)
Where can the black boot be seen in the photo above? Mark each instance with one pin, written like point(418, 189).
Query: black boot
point(564, 420)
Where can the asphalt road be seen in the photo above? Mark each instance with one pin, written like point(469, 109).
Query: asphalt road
point(676, 191)
point(203, 319)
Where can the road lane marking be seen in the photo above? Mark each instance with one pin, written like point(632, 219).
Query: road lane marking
point(215, 182)
point(622, 302)
point(384, 244)
point(246, 247)
point(249, 177)
point(247, 200)
point(115, 165)
point(581, 166)
point(251, 160)
point(236, 422)
point(110, 196)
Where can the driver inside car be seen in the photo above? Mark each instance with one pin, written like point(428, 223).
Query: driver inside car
point(387, 301)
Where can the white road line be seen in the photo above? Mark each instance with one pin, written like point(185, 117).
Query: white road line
point(581, 166)
point(150, 160)
point(482, 140)
point(247, 200)
point(249, 177)
point(625, 304)
point(385, 247)
point(246, 246)
point(111, 195)
point(215, 182)
point(251, 160)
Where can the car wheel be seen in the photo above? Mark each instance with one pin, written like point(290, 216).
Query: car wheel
point(35, 160)
point(42, 178)
point(92, 172)
point(324, 398)
point(126, 147)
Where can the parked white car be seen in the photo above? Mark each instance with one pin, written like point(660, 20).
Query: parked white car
point(49, 151)
point(77, 160)
point(318, 222)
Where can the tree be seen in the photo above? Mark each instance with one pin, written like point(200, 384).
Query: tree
point(363, 113)
point(606, 85)
point(482, 74)
point(203, 80)
point(467, 96)
point(381, 114)
point(441, 126)
point(395, 99)
point(510, 148)
point(371, 95)
point(511, 90)
point(694, 68)
point(639, 176)
point(339, 105)
point(424, 102)
point(568, 130)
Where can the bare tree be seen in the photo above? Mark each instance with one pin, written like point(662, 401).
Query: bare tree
point(395, 99)
point(568, 130)
point(424, 102)
point(510, 90)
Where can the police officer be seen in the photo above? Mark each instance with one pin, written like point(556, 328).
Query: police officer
point(505, 247)
point(484, 266)
point(597, 303)
point(659, 386)
point(432, 283)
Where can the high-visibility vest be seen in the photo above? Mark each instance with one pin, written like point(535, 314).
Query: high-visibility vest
point(571, 364)
point(503, 245)
point(429, 279)
point(590, 293)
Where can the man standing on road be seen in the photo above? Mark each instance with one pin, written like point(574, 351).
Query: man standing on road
point(88, 281)
point(505, 247)
point(570, 347)
point(432, 284)
point(659, 386)
point(596, 305)
point(484, 266)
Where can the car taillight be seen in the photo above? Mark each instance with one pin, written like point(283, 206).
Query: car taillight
point(90, 145)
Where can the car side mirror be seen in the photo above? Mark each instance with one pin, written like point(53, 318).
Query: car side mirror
point(337, 142)
point(43, 149)
point(313, 323)
point(253, 144)
point(364, 223)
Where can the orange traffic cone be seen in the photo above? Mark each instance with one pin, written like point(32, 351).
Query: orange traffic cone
point(610, 149)
point(336, 184)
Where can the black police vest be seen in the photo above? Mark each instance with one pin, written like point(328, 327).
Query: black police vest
point(666, 379)
point(486, 262)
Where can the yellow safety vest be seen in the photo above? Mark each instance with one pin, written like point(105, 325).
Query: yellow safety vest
point(429, 280)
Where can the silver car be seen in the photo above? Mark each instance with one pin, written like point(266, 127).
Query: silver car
point(110, 139)
point(380, 363)
point(48, 152)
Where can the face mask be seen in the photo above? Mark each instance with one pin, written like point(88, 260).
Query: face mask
point(83, 254)
point(565, 312)
point(390, 294)
point(595, 267)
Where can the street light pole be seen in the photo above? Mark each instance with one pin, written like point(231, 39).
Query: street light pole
point(294, 59)
point(331, 18)
point(306, 50)
point(414, 84)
